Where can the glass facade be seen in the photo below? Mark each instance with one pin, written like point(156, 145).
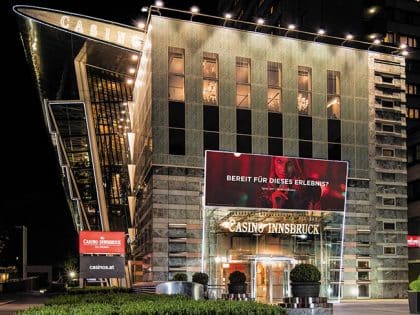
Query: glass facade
point(266, 245)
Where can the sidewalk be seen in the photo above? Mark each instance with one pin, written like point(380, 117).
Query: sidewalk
point(9, 304)
point(372, 307)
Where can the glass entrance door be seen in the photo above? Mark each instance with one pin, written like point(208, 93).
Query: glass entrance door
point(270, 282)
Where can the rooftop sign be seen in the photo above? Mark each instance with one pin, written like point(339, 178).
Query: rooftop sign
point(116, 34)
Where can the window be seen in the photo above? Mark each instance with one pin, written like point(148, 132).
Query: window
point(388, 201)
point(211, 140)
point(275, 125)
point(304, 99)
point(412, 89)
point(363, 275)
point(389, 38)
point(176, 75)
point(305, 149)
point(388, 128)
point(210, 79)
point(388, 177)
point(413, 191)
point(211, 127)
point(176, 98)
point(243, 82)
point(388, 104)
point(389, 250)
point(305, 128)
point(334, 131)
point(243, 130)
point(387, 152)
point(244, 143)
point(389, 225)
point(176, 141)
point(410, 41)
point(413, 113)
point(334, 151)
point(274, 86)
point(333, 94)
point(363, 291)
point(387, 79)
point(363, 264)
point(275, 146)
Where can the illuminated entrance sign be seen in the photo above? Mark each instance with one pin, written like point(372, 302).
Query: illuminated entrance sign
point(274, 182)
point(113, 33)
point(271, 228)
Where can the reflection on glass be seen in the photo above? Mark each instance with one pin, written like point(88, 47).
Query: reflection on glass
point(304, 100)
point(274, 86)
point(243, 95)
point(333, 95)
point(363, 264)
point(210, 79)
point(243, 82)
point(176, 74)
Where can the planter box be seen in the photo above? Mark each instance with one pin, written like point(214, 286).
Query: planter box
point(305, 289)
point(414, 302)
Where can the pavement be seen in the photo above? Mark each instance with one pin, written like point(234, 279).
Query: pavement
point(10, 304)
point(372, 307)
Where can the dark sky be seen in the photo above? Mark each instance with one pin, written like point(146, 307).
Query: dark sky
point(32, 193)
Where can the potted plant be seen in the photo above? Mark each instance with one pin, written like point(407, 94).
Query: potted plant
point(304, 280)
point(414, 296)
point(180, 277)
point(237, 283)
point(202, 278)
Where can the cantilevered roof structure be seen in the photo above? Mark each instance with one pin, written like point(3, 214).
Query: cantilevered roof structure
point(85, 70)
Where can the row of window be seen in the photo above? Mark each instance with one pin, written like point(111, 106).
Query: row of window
point(412, 89)
point(413, 113)
point(210, 88)
point(394, 38)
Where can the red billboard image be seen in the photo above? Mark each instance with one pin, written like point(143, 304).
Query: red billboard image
point(413, 241)
point(274, 182)
point(96, 242)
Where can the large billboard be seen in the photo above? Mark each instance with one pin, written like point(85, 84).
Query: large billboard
point(102, 267)
point(97, 242)
point(274, 182)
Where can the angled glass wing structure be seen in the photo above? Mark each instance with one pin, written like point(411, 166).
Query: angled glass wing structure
point(85, 70)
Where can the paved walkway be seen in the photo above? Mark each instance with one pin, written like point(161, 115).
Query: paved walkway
point(9, 305)
point(372, 307)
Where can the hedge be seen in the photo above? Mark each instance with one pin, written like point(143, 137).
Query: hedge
point(134, 304)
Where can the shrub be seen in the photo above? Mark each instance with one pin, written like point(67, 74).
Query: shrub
point(130, 304)
point(180, 277)
point(305, 273)
point(200, 277)
point(237, 277)
point(415, 285)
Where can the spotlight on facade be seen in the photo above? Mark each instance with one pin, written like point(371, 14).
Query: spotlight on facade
point(372, 10)
point(194, 9)
point(228, 16)
point(159, 3)
point(404, 53)
point(141, 25)
point(349, 36)
point(260, 21)
point(321, 31)
point(134, 57)
point(372, 36)
point(129, 81)
point(291, 27)
point(131, 70)
point(72, 274)
point(403, 46)
point(376, 41)
point(144, 9)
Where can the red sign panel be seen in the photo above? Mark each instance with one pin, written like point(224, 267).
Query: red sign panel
point(413, 241)
point(274, 182)
point(96, 242)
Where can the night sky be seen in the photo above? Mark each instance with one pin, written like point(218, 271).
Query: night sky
point(32, 193)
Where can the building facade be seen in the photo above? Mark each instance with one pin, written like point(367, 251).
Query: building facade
point(150, 103)
point(395, 23)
